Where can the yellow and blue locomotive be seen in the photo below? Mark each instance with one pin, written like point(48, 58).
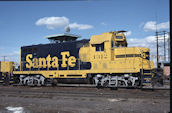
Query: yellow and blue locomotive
point(104, 60)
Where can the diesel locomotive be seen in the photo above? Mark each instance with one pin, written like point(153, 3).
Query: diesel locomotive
point(104, 60)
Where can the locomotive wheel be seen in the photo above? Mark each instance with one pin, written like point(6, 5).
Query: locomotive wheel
point(121, 84)
point(99, 86)
point(106, 84)
point(35, 82)
point(26, 83)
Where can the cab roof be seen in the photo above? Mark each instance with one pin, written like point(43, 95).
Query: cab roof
point(63, 37)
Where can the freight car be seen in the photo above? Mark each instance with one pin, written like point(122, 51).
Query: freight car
point(6, 72)
point(104, 60)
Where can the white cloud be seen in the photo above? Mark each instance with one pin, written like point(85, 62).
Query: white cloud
point(80, 26)
point(61, 22)
point(149, 42)
point(128, 33)
point(53, 22)
point(152, 26)
point(103, 23)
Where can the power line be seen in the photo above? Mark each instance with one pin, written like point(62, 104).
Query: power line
point(157, 44)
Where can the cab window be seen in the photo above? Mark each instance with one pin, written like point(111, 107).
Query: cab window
point(100, 47)
point(119, 37)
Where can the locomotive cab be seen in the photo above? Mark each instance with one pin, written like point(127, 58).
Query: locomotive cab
point(101, 47)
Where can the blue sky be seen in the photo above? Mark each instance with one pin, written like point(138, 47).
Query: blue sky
point(19, 21)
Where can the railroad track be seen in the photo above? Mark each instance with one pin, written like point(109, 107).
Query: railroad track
point(50, 92)
point(165, 87)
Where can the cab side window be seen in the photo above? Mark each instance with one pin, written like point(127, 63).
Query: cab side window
point(100, 47)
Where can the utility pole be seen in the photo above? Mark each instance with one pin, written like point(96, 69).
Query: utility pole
point(169, 46)
point(161, 33)
point(164, 47)
point(157, 59)
point(4, 57)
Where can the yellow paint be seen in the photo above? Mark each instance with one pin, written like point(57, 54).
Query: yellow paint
point(28, 57)
point(72, 61)
point(133, 58)
point(6, 66)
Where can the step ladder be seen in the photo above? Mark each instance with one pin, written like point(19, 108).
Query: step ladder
point(147, 77)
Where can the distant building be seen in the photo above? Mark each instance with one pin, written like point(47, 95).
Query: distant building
point(166, 69)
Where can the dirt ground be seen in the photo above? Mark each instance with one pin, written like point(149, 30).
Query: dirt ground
point(18, 99)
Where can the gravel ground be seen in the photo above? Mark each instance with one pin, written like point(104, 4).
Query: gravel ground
point(17, 99)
